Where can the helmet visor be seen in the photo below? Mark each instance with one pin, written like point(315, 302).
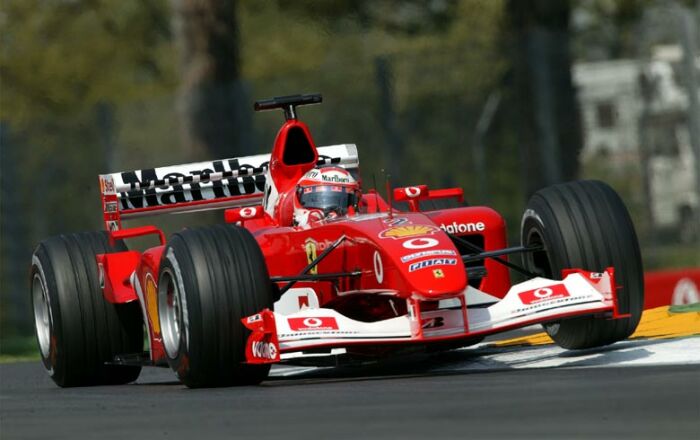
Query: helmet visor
point(327, 198)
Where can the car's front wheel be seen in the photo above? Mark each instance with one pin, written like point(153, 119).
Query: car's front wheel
point(585, 225)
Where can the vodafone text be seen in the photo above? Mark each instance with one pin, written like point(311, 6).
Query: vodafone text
point(463, 228)
point(264, 350)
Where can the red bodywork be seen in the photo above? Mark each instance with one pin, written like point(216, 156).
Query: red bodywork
point(382, 249)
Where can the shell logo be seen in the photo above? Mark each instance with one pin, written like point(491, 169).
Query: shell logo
point(398, 232)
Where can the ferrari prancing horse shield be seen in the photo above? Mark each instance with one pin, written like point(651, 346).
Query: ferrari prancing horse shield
point(311, 254)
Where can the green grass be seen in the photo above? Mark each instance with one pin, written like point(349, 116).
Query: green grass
point(9, 359)
point(685, 308)
point(18, 349)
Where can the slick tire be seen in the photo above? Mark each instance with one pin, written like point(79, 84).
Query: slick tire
point(210, 278)
point(585, 225)
point(77, 329)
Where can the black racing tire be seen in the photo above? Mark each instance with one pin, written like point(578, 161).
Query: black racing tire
point(210, 278)
point(77, 329)
point(585, 225)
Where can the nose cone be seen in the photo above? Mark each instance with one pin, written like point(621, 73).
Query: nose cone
point(426, 259)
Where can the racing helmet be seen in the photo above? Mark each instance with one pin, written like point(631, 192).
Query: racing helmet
point(325, 193)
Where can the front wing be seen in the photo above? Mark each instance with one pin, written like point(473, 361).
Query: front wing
point(276, 337)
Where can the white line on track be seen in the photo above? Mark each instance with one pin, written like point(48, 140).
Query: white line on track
point(638, 352)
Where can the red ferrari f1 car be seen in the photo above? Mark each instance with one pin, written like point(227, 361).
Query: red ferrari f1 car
point(309, 267)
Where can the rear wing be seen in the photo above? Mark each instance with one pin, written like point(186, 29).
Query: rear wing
point(199, 186)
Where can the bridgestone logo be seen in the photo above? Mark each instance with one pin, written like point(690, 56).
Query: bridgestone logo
point(463, 228)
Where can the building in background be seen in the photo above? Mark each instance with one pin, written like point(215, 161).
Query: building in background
point(635, 114)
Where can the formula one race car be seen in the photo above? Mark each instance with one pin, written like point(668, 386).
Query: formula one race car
point(309, 268)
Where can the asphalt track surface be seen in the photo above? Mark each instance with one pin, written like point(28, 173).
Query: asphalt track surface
point(427, 397)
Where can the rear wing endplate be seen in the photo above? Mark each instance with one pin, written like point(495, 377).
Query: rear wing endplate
point(199, 186)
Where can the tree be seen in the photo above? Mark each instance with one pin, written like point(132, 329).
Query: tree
point(65, 67)
point(66, 57)
point(543, 91)
point(213, 100)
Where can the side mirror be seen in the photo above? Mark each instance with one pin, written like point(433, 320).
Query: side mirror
point(236, 215)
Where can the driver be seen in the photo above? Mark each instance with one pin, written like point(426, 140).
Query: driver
point(325, 193)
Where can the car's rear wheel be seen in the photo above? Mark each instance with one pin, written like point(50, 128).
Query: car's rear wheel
point(210, 278)
point(78, 331)
point(585, 225)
